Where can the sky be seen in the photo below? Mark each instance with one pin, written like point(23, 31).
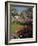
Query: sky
point(20, 9)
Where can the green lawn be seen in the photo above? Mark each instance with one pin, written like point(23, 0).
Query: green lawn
point(13, 26)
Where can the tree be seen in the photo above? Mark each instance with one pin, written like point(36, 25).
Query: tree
point(13, 11)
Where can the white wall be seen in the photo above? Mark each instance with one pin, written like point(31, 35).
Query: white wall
point(2, 22)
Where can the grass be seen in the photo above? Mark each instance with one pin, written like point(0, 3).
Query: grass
point(13, 26)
